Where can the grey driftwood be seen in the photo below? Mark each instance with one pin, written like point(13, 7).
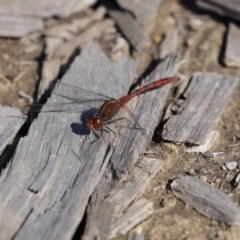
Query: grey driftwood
point(122, 183)
point(199, 108)
point(46, 188)
point(143, 11)
point(59, 51)
point(20, 17)
point(206, 199)
point(232, 51)
point(11, 120)
point(129, 26)
point(229, 8)
point(18, 26)
point(43, 9)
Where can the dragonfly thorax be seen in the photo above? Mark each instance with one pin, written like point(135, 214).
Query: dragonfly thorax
point(94, 122)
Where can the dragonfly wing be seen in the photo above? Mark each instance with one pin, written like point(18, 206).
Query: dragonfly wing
point(76, 94)
point(70, 107)
point(69, 98)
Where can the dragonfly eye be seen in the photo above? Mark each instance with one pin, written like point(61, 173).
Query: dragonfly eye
point(98, 123)
point(94, 122)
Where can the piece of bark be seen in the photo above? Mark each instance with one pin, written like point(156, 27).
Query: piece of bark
point(136, 235)
point(170, 44)
point(18, 26)
point(206, 199)
point(65, 50)
point(43, 9)
point(67, 31)
point(210, 139)
point(120, 198)
point(128, 25)
point(144, 11)
point(139, 177)
point(148, 109)
point(202, 104)
point(45, 191)
point(11, 121)
point(232, 52)
point(229, 8)
point(59, 52)
point(137, 213)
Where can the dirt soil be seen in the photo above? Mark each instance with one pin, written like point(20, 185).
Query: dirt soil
point(202, 43)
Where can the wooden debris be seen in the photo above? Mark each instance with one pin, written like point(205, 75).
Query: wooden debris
point(64, 51)
point(61, 44)
point(45, 190)
point(232, 52)
point(120, 198)
point(17, 26)
point(210, 139)
point(148, 109)
point(206, 199)
point(170, 44)
point(136, 235)
point(144, 11)
point(137, 213)
point(202, 103)
point(43, 9)
point(139, 177)
point(69, 30)
point(128, 25)
point(229, 8)
point(11, 121)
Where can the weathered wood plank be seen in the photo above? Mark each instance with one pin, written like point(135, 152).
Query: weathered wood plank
point(206, 199)
point(170, 44)
point(18, 26)
point(229, 8)
point(148, 110)
point(43, 8)
point(200, 107)
point(138, 212)
point(136, 235)
point(139, 177)
point(56, 168)
point(119, 199)
point(144, 11)
point(128, 25)
point(61, 41)
point(232, 52)
point(11, 120)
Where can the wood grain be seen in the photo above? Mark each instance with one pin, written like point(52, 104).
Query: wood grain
point(229, 8)
point(232, 52)
point(11, 121)
point(199, 108)
point(206, 199)
point(43, 9)
point(18, 26)
point(46, 189)
point(144, 11)
point(123, 181)
point(128, 25)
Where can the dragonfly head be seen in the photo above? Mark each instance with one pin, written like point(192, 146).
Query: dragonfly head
point(94, 122)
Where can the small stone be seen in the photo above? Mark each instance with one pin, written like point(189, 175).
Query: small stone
point(169, 202)
point(204, 178)
point(213, 154)
point(230, 165)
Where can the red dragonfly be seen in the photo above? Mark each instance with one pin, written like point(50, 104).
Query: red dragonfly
point(106, 112)
point(110, 108)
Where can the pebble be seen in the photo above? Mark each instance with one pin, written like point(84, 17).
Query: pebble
point(230, 165)
point(213, 154)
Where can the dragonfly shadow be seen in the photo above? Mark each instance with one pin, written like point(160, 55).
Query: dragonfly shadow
point(81, 128)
